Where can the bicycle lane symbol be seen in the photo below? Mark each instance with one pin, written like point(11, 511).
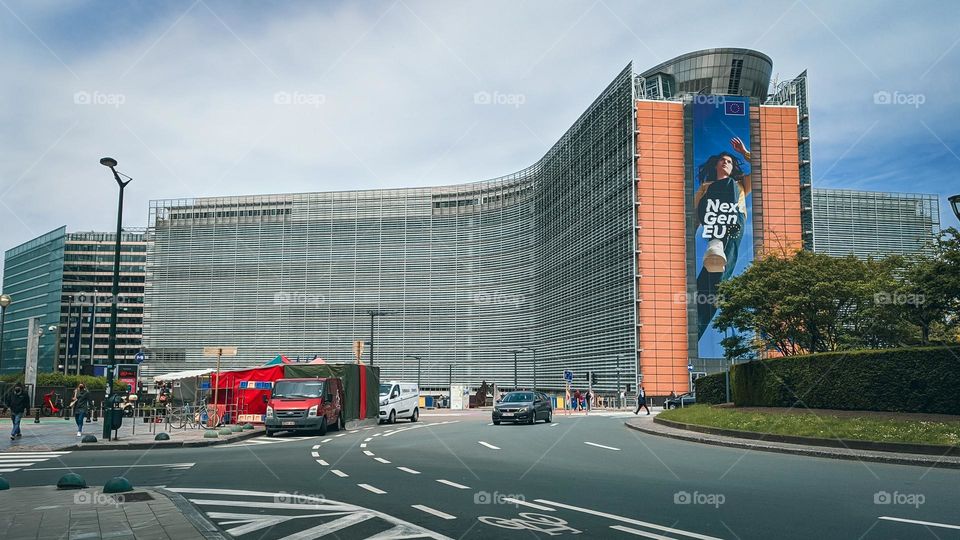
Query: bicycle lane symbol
point(553, 526)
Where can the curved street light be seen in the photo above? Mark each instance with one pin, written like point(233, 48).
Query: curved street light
point(955, 204)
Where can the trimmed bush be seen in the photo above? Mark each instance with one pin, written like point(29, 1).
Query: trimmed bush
point(711, 389)
point(922, 379)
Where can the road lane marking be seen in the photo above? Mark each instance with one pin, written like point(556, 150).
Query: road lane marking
point(339, 473)
point(381, 460)
point(488, 445)
point(368, 439)
point(376, 434)
point(369, 453)
point(316, 447)
point(322, 462)
point(363, 445)
point(315, 454)
point(626, 529)
point(490, 424)
point(510, 500)
point(340, 435)
point(429, 510)
point(916, 522)
point(602, 446)
point(176, 465)
point(372, 489)
point(326, 440)
point(411, 471)
point(627, 520)
point(453, 484)
point(554, 425)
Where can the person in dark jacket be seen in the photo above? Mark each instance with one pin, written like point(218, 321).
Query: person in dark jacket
point(80, 404)
point(641, 401)
point(19, 404)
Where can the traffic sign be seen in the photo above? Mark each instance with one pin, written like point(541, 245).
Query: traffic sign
point(690, 368)
point(140, 357)
point(568, 375)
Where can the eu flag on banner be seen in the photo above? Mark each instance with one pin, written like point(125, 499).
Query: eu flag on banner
point(733, 108)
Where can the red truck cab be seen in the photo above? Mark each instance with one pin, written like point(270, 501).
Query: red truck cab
point(313, 404)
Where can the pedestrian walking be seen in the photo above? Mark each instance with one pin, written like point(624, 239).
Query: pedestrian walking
point(588, 399)
point(623, 399)
point(641, 401)
point(19, 404)
point(576, 400)
point(80, 404)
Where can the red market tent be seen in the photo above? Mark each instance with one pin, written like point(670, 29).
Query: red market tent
point(245, 388)
point(317, 360)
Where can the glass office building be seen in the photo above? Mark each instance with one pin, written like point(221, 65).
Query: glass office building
point(66, 279)
point(576, 262)
point(874, 224)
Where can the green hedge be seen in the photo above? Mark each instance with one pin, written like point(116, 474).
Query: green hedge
point(923, 379)
point(71, 381)
point(711, 389)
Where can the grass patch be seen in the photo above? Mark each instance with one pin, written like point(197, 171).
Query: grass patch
point(823, 426)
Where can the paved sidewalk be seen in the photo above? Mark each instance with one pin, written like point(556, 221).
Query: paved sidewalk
point(41, 513)
point(647, 425)
point(53, 434)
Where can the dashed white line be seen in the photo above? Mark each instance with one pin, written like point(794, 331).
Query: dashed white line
point(381, 460)
point(429, 510)
point(340, 435)
point(627, 520)
point(372, 489)
point(369, 453)
point(315, 454)
point(368, 439)
point(510, 500)
point(453, 484)
point(637, 532)
point(490, 424)
point(339, 473)
point(488, 445)
point(376, 434)
point(554, 425)
point(367, 428)
point(316, 446)
point(602, 446)
point(322, 462)
point(363, 445)
point(406, 469)
point(326, 440)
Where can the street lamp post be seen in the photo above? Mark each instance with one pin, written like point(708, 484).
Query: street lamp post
point(515, 352)
point(374, 313)
point(115, 290)
point(5, 300)
point(417, 358)
point(618, 381)
point(534, 351)
point(955, 204)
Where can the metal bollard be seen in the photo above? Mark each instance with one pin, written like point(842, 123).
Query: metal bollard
point(95, 411)
point(36, 419)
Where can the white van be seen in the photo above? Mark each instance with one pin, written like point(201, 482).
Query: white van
point(399, 400)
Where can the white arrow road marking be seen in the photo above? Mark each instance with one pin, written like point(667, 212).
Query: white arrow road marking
point(171, 465)
point(453, 484)
point(602, 446)
point(627, 520)
point(339, 473)
point(372, 489)
point(637, 532)
point(488, 445)
point(411, 471)
point(915, 522)
point(429, 510)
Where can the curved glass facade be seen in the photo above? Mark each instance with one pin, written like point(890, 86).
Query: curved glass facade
point(741, 72)
point(541, 259)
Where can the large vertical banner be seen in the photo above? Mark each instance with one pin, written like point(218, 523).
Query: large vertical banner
point(722, 204)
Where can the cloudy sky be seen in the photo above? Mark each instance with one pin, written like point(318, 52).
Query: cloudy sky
point(211, 97)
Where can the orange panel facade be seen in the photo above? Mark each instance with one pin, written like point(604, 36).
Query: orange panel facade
point(781, 232)
point(661, 243)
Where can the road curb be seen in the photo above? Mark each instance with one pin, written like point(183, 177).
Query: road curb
point(155, 445)
point(810, 451)
point(206, 527)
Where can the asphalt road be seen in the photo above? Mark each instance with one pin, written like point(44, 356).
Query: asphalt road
point(588, 477)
